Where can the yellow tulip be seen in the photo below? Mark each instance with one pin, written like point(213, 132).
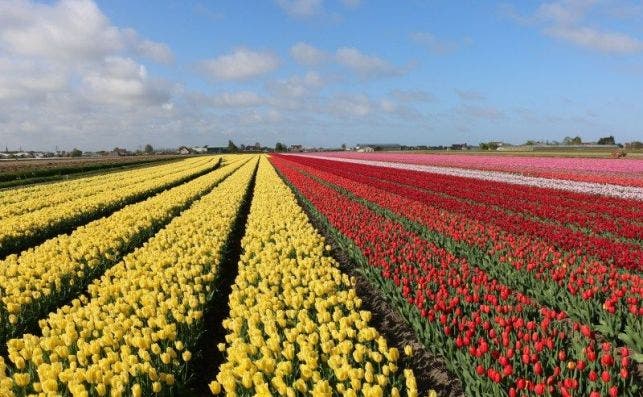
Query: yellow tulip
point(291, 304)
point(215, 387)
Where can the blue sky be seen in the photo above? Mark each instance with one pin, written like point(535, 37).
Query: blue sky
point(77, 73)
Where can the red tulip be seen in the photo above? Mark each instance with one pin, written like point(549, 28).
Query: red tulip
point(605, 376)
point(539, 389)
point(613, 391)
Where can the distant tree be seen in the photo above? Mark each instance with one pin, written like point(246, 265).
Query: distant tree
point(488, 146)
point(530, 143)
point(232, 148)
point(572, 141)
point(343, 146)
point(148, 149)
point(76, 153)
point(607, 140)
point(280, 147)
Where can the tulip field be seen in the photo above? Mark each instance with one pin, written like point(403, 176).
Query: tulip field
point(323, 274)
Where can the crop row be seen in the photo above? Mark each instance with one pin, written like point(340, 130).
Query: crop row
point(17, 173)
point(47, 210)
point(27, 199)
point(135, 330)
point(565, 213)
point(593, 292)
point(295, 324)
point(625, 172)
point(498, 340)
point(41, 278)
point(619, 217)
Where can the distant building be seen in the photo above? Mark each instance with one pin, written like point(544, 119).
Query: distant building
point(217, 149)
point(119, 152)
point(296, 148)
point(199, 149)
point(365, 149)
point(183, 150)
point(379, 146)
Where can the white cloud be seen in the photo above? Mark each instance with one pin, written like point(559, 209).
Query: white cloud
point(312, 8)
point(158, 52)
point(383, 110)
point(570, 21)
point(301, 8)
point(69, 50)
point(297, 86)
point(479, 112)
point(296, 93)
point(67, 74)
point(306, 54)
point(365, 66)
point(350, 105)
point(412, 96)
point(69, 30)
point(564, 12)
point(122, 81)
point(608, 42)
point(203, 10)
point(469, 95)
point(237, 99)
point(64, 30)
point(388, 105)
point(436, 45)
point(257, 117)
point(25, 79)
point(241, 64)
point(624, 9)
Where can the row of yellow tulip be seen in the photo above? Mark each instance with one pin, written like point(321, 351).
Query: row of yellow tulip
point(134, 332)
point(19, 231)
point(28, 199)
point(295, 324)
point(36, 281)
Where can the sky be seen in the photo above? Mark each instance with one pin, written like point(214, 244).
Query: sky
point(99, 74)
